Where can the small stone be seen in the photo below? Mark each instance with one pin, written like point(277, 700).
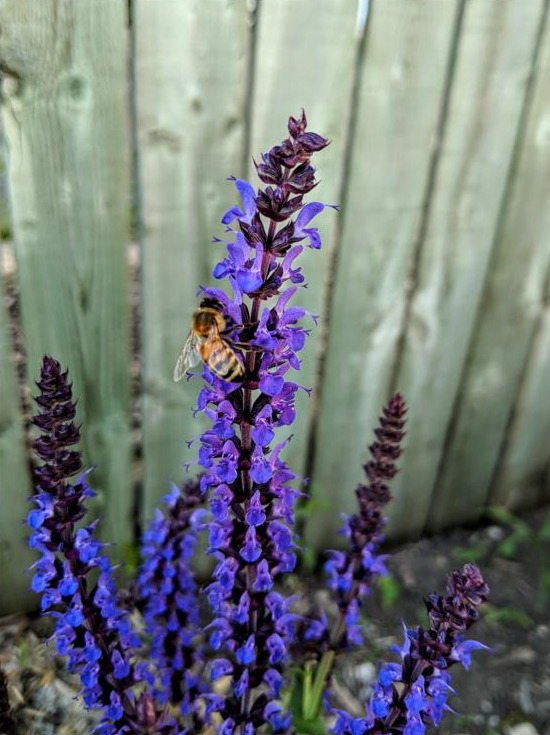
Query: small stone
point(542, 631)
point(366, 673)
point(524, 728)
point(493, 721)
point(495, 533)
point(46, 698)
point(521, 655)
point(485, 706)
point(526, 699)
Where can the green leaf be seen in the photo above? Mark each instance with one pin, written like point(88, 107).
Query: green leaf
point(472, 554)
point(503, 515)
point(508, 615)
point(389, 589)
point(544, 533)
point(310, 727)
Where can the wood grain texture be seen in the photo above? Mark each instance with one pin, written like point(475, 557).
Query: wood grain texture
point(15, 483)
point(190, 74)
point(522, 478)
point(65, 117)
point(510, 313)
point(305, 59)
point(399, 102)
point(492, 70)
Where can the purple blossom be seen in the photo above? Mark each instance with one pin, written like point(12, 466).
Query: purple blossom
point(422, 677)
point(248, 484)
point(168, 594)
point(91, 628)
point(349, 573)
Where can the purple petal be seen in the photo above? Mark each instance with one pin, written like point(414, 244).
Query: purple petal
point(248, 197)
point(310, 211)
point(248, 281)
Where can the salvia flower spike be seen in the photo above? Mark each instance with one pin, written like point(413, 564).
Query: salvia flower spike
point(251, 499)
point(423, 679)
point(91, 628)
point(168, 593)
point(350, 573)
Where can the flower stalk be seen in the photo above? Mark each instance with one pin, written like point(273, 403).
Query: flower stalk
point(91, 628)
point(251, 498)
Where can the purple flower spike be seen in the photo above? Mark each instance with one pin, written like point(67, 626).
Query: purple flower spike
point(413, 694)
point(92, 629)
point(349, 575)
point(251, 499)
point(168, 592)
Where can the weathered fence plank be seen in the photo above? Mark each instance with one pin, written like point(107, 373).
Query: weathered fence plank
point(65, 117)
point(399, 100)
point(523, 475)
point(307, 64)
point(510, 311)
point(190, 73)
point(15, 485)
point(492, 69)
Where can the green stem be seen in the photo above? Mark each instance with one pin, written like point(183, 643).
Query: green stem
point(321, 675)
point(307, 688)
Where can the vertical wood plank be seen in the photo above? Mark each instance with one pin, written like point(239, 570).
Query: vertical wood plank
point(487, 97)
point(15, 484)
point(190, 72)
point(399, 101)
point(305, 59)
point(510, 312)
point(522, 476)
point(65, 117)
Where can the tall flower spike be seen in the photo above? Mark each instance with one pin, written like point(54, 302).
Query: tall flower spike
point(251, 499)
point(422, 678)
point(168, 590)
point(91, 629)
point(350, 574)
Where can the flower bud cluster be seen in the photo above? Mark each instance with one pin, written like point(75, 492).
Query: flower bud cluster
point(91, 628)
point(350, 572)
point(424, 683)
point(167, 589)
point(251, 498)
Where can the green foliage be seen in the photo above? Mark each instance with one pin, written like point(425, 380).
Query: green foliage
point(304, 700)
point(130, 557)
point(472, 553)
point(520, 534)
point(508, 616)
point(389, 590)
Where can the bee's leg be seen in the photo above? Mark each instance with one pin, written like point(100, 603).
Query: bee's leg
point(248, 347)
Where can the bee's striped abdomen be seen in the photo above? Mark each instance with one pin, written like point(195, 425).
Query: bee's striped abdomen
point(224, 363)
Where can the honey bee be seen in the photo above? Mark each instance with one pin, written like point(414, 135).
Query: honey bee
point(206, 343)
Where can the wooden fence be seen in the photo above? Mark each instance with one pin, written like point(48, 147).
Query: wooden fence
point(121, 123)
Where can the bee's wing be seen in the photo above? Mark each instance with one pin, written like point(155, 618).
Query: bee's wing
point(188, 356)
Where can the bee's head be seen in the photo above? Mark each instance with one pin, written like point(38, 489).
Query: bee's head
point(208, 303)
